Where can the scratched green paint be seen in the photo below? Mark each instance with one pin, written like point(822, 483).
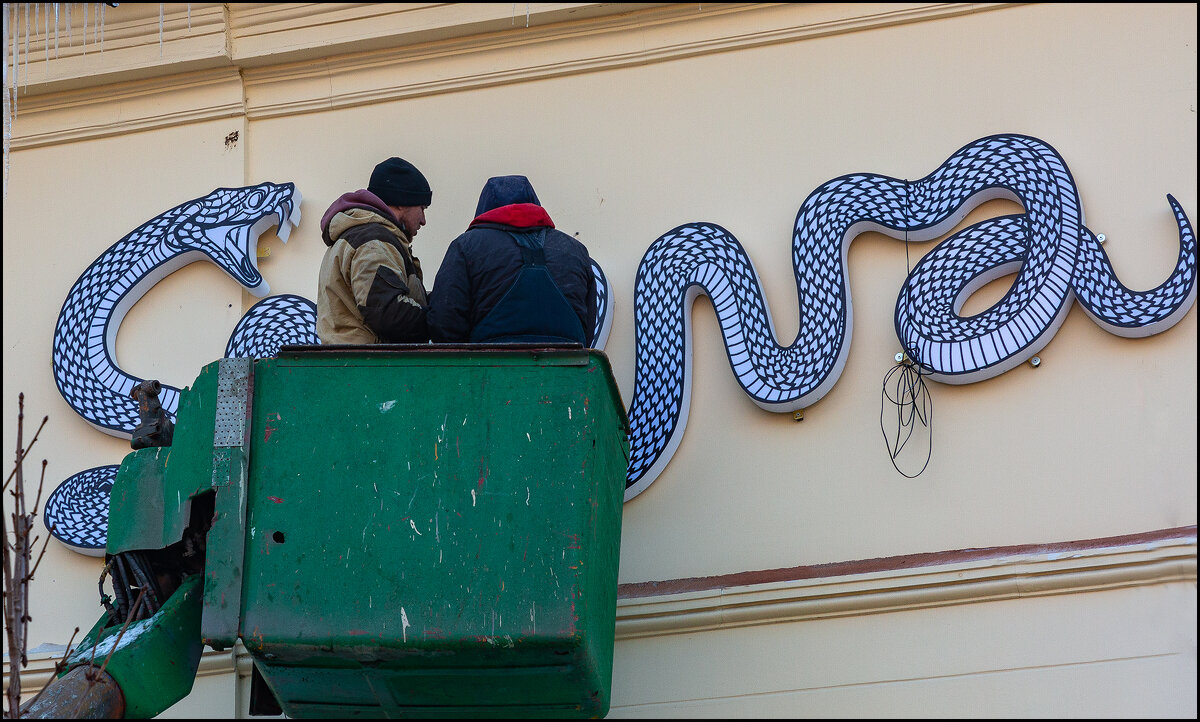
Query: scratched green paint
point(434, 534)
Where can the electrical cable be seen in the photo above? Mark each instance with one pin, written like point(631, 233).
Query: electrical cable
point(114, 614)
point(910, 396)
point(120, 577)
point(137, 563)
point(913, 402)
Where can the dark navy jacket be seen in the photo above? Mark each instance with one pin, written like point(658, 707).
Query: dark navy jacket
point(481, 265)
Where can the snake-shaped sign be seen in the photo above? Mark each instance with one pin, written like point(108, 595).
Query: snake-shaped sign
point(1055, 258)
point(222, 227)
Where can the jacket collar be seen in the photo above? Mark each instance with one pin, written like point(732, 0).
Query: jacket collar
point(518, 215)
point(363, 200)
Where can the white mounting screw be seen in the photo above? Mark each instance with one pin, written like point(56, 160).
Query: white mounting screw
point(900, 357)
point(1035, 361)
point(1100, 237)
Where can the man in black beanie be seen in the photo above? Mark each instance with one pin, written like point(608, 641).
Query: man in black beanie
point(370, 288)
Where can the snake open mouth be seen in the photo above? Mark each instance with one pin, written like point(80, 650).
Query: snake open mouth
point(238, 251)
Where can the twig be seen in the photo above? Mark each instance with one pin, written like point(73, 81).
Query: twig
point(37, 500)
point(41, 554)
point(17, 553)
point(50, 529)
point(22, 453)
point(116, 645)
point(93, 677)
point(58, 668)
point(15, 566)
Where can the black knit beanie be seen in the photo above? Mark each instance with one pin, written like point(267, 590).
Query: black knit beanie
point(398, 183)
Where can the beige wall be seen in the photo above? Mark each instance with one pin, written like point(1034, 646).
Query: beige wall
point(630, 121)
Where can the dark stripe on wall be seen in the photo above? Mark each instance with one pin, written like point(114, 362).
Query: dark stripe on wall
point(906, 561)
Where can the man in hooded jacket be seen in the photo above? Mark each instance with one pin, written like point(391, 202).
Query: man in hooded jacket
point(370, 288)
point(512, 277)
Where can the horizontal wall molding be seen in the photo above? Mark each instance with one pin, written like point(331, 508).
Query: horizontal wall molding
point(105, 111)
point(134, 43)
point(41, 667)
point(905, 583)
point(892, 584)
point(647, 36)
point(292, 59)
point(264, 34)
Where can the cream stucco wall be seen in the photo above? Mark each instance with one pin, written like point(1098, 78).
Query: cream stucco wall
point(631, 120)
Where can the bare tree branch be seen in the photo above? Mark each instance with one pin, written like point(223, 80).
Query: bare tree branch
point(21, 453)
point(38, 563)
point(17, 552)
point(59, 666)
point(37, 500)
point(92, 676)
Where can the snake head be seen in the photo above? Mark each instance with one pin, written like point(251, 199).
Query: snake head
point(225, 225)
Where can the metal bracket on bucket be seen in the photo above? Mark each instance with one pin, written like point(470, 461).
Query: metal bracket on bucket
point(227, 538)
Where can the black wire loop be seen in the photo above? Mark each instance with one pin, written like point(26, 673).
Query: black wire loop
point(904, 388)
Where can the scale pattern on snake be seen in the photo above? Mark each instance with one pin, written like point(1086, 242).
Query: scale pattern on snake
point(222, 227)
point(1055, 258)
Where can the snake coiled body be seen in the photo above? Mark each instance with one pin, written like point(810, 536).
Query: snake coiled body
point(1055, 258)
point(221, 227)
